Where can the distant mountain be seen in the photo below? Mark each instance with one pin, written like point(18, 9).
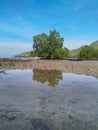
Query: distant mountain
point(95, 44)
point(75, 52)
point(24, 54)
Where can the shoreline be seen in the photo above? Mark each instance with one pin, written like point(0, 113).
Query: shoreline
point(86, 67)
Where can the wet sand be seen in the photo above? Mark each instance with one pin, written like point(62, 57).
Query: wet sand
point(79, 67)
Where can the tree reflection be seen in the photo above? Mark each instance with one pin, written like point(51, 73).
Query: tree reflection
point(50, 76)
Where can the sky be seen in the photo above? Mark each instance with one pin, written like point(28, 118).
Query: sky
point(20, 20)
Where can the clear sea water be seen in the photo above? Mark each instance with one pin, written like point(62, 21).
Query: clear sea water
point(48, 100)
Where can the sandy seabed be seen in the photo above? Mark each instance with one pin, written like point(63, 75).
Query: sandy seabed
point(29, 105)
point(79, 67)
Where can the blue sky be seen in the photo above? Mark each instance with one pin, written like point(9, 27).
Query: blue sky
point(20, 20)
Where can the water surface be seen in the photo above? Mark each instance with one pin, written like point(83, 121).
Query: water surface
point(48, 100)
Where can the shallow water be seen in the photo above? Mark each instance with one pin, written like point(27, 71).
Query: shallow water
point(48, 100)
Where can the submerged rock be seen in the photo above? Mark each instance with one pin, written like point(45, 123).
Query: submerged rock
point(9, 115)
point(38, 124)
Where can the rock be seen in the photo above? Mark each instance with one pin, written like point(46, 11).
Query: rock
point(11, 116)
point(38, 124)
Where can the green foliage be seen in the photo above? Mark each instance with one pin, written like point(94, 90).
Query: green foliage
point(95, 44)
point(66, 52)
point(33, 54)
point(96, 53)
point(88, 52)
point(75, 52)
point(61, 53)
point(49, 46)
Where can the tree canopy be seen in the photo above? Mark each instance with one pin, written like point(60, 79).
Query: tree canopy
point(49, 46)
point(88, 52)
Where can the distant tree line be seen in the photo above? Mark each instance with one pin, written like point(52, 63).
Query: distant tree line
point(88, 52)
point(49, 46)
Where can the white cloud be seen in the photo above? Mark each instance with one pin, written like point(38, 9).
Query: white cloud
point(76, 43)
point(11, 48)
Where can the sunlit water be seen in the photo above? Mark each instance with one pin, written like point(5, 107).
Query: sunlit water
point(48, 100)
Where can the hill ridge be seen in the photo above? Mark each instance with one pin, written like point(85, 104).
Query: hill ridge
point(73, 53)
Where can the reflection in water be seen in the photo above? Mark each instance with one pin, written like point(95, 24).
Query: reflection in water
point(0, 76)
point(2, 73)
point(28, 105)
point(50, 76)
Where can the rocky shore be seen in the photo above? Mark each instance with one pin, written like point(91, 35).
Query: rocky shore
point(79, 67)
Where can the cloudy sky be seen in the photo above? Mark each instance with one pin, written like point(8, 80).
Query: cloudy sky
point(20, 20)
